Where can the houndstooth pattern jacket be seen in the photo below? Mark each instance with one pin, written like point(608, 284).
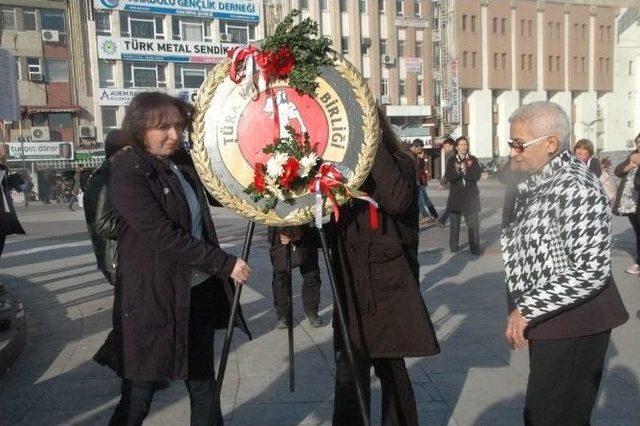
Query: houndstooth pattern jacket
point(557, 250)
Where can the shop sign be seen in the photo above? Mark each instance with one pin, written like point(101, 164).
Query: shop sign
point(413, 65)
point(410, 21)
point(123, 97)
point(238, 10)
point(39, 151)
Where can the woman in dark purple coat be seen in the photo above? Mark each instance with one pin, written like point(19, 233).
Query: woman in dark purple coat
point(172, 286)
point(377, 271)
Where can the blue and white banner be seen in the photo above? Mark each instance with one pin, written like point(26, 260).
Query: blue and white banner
point(143, 49)
point(238, 10)
point(122, 97)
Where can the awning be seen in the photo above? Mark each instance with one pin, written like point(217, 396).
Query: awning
point(35, 109)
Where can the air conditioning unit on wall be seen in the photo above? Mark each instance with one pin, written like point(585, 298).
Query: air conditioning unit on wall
point(388, 59)
point(87, 132)
point(36, 77)
point(50, 35)
point(40, 133)
point(384, 100)
point(225, 38)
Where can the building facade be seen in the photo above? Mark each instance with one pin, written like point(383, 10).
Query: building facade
point(497, 55)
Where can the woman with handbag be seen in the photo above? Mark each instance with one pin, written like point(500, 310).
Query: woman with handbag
point(626, 203)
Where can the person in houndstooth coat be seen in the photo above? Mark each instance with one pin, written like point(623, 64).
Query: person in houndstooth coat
point(563, 301)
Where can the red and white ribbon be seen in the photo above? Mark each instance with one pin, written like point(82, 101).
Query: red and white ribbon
point(325, 182)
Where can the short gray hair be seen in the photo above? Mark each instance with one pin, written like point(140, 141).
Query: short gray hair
point(545, 118)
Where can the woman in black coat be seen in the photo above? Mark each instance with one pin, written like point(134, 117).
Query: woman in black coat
point(377, 271)
point(172, 286)
point(463, 173)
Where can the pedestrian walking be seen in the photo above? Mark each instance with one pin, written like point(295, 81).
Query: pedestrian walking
point(425, 206)
point(304, 255)
point(77, 187)
point(562, 298)
point(463, 173)
point(377, 271)
point(448, 151)
point(9, 223)
point(172, 289)
point(626, 203)
point(583, 150)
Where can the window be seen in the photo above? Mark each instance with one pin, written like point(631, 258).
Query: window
point(29, 19)
point(418, 49)
point(403, 87)
point(399, 7)
point(600, 63)
point(8, 18)
point(60, 121)
point(575, 64)
point(304, 4)
point(323, 5)
point(464, 22)
point(238, 32)
point(384, 87)
point(51, 19)
point(530, 28)
point(343, 5)
point(39, 119)
point(109, 119)
point(464, 59)
point(503, 26)
point(522, 59)
point(103, 23)
point(522, 27)
point(557, 30)
point(608, 33)
point(141, 26)
point(584, 32)
point(189, 30)
point(143, 75)
point(381, 6)
point(189, 77)
point(558, 63)
point(57, 70)
point(608, 63)
point(550, 64)
point(362, 6)
point(473, 23)
point(105, 74)
point(383, 46)
point(530, 63)
point(576, 35)
point(495, 61)
point(601, 32)
point(495, 25)
point(473, 59)
point(366, 46)
point(33, 67)
point(582, 61)
point(400, 47)
point(417, 8)
point(344, 45)
point(419, 88)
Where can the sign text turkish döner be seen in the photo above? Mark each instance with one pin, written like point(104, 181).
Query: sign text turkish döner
point(238, 10)
point(135, 49)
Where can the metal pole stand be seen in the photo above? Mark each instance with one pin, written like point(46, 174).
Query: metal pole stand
point(292, 376)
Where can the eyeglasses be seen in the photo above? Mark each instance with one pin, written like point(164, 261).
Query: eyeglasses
point(519, 145)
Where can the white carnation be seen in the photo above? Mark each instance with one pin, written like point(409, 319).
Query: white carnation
point(307, 163)
point(275, 165)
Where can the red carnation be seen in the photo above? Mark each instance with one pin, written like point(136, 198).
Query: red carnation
point(258, 178)
point(283, 62)
point(290, 172)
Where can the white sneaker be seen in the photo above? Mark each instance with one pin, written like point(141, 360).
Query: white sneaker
point(633, 269)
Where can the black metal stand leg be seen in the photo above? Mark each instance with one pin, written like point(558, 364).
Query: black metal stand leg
point(292, 377)
point(364, 412)
point(246, 248)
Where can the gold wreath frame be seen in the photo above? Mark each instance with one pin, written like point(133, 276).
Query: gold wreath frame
point(303, 215)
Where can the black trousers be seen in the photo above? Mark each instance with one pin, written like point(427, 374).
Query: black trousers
point(3, 239)
point(635, 223)
point(398, 400)
point(310, 289)
point(564, 378)
point(473, 225)
point(137, 396)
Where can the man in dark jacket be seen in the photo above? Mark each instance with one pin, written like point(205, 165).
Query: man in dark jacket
point(102, 225)
point(304, 254)
point(9, 223)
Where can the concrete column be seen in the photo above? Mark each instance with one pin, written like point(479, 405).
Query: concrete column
point(564, 100)
point(508, 102)
point(586, 126)
point(479, 116)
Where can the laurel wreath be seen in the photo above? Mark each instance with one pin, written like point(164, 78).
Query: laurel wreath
point(244, 207)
